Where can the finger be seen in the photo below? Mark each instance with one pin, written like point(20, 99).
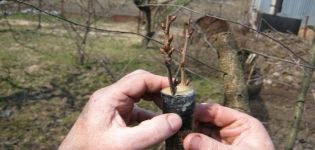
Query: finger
point(136, 84)
point(219, 115)
point(208, 129)
point(139, 115)
point(196, 141)
point(130, 88)
point(125, 92)
point(152, 131)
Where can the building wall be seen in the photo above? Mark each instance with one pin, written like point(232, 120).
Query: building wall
point(297, 9)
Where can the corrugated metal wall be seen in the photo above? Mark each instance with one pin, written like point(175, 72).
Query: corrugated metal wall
point(312, 15)
point(297, 9)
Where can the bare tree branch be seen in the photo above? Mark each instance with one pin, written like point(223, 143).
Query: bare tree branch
point(237, 23)
point(299, 107)
point(133, 33)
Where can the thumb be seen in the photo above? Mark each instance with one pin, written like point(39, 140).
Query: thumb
point(196, 141)
point(153, 131)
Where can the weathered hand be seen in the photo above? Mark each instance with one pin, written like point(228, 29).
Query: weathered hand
point(103, 122)
point(235, 130)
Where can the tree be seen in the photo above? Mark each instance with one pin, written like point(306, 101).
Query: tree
point(147, 13)
point(39, 25)
point(88, 11)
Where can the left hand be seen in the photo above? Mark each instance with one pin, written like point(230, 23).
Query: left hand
point(103, 121)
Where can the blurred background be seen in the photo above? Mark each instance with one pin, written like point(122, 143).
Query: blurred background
point(55, 53)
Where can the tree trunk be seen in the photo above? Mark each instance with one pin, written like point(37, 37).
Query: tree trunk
point(149, 33)
point(39, 26)
point(147, 14)
point(235, 89)
point(62, 8)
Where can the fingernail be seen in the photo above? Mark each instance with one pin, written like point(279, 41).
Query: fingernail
point(175, 121)
point(195, 143)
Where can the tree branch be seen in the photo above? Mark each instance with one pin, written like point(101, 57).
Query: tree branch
point(299, 107)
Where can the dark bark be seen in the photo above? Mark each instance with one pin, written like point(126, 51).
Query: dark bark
point(147, 14)
point(182, 103)
point(40, 2)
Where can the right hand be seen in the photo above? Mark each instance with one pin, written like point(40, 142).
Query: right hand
point(236, 130)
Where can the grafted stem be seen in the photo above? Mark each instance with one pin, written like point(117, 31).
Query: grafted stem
point(167, 50)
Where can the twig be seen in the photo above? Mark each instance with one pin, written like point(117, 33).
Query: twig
point(167, 50)
point(279, 59)
point(190, 71)
point(187, 34)
point(127, 65)
point(104, 62)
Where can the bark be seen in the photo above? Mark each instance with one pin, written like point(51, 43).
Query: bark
point(147, 14)
point(40, 2)
point(299, 107)
point(235, 89)
point(149, 34)
point(62, 8)
point(182, 103)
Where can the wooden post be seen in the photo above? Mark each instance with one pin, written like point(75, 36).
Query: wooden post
point(235, 89)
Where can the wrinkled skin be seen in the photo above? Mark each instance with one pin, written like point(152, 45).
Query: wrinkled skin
point(104, 121)
point(231, 130)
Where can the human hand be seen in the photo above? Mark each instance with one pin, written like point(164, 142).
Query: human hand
point(236, 130)
point(103, 121)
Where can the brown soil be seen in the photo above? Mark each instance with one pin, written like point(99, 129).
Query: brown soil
point(275, 108)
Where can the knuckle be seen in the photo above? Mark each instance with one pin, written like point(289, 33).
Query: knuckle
point(139, 71)
point(97, 94)
point(136, 73)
